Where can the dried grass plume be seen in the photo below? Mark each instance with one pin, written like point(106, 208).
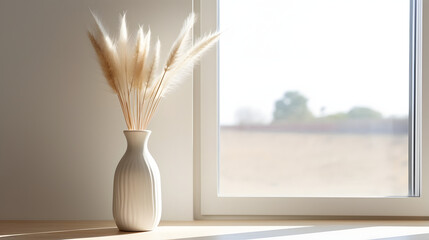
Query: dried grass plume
point(132, 68)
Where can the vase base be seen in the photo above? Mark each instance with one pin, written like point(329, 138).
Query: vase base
point(124, 229)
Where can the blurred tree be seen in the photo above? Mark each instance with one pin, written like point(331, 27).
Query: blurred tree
point(249, 116)
point(292, 107)
point(336, 116)
point(363, 113)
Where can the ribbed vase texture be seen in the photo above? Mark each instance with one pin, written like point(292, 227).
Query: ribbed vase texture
point(137, 186)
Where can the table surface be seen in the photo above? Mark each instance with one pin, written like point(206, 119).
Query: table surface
point(297, 229)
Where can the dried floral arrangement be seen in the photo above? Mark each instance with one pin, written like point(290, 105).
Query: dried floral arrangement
point(133, 72)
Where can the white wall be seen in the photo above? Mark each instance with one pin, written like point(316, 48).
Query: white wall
point(60, 127)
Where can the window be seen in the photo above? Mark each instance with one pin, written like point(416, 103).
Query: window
point(303, 104)
point(312, 109)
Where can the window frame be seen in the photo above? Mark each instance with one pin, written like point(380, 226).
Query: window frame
point(207, 202)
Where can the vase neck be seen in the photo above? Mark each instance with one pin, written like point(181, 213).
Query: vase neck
point(137, 140)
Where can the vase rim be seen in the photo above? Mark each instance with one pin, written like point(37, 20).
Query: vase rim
point(148, 131)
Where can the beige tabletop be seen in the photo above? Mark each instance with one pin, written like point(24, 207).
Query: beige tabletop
point(300, 229)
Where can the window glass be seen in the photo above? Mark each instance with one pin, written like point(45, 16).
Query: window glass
point(314, 98)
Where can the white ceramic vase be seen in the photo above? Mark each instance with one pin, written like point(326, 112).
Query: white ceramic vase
point(137, 186)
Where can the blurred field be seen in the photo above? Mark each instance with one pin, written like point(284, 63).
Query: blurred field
point(264, 163)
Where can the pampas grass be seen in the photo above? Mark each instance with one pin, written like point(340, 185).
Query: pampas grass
point(132, 68)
